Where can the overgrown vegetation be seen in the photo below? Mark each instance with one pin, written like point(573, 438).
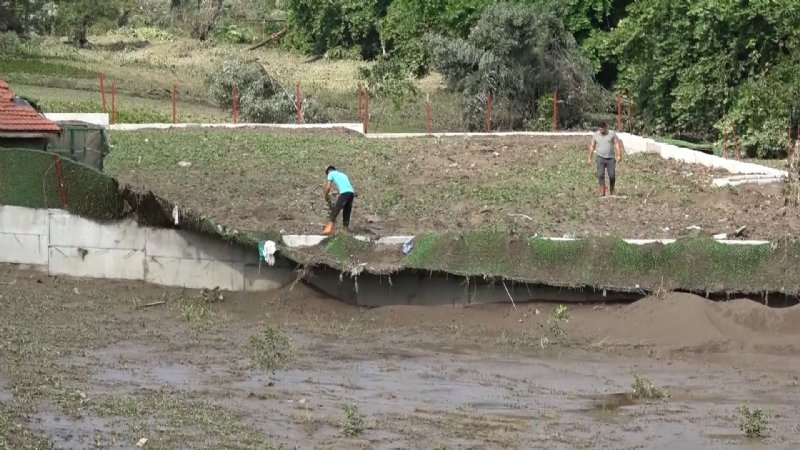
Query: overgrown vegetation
point(644, 389)
point(753, 422)
point(270, 350)
point(261, 97)
point(517, 54)
point(353, 423)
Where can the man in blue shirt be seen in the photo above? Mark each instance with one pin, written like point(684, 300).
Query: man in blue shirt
point(344, 202)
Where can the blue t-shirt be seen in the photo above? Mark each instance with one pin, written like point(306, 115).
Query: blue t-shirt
point(341, 181)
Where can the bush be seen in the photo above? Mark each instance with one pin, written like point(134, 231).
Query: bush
point(389, 78)
point(9, 43)
point(518, 53)
point(150, 34)
point(753, 422)
point(233, 34)
point(262, 99)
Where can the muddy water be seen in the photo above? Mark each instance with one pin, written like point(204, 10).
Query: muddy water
point(424, 378)
point(416, 397)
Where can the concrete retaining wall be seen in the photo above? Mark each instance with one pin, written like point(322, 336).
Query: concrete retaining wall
point(63, 244)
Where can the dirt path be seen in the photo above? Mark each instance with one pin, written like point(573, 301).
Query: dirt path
point(84, 364)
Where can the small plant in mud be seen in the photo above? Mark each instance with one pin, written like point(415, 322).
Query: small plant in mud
point(353, 424)
point(555, 326)
point(270, 350)
point(753, 422)
point(643, 388)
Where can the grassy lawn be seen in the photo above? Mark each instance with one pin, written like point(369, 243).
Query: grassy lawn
point(261, 179)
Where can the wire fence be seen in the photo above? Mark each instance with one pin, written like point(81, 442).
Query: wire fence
point(44, 180)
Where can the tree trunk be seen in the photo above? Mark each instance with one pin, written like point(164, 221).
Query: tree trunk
point(793, 182)
point(213, 10)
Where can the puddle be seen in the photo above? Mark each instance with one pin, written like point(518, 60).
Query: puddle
point(69, 433)
point(5, 390)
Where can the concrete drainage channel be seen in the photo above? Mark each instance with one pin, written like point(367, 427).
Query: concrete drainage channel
point(59, 243)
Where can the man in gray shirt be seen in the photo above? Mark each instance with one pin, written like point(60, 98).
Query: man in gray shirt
point(607, 149)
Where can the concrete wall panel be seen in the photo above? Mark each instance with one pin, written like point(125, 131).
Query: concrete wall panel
point(165, 243)
point(195, 274)
point(267, 278)
point(23, 249)
point(97, 263)
point(18, 220)
point(67, 230)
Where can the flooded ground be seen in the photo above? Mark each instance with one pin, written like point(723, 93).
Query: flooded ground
point(86, 364)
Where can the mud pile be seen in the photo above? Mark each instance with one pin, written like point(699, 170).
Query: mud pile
point(689, 322)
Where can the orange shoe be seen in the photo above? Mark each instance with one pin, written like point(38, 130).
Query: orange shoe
point(328, 229)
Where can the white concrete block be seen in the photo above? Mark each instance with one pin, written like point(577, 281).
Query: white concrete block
point(194, 273)
point(23, 249)
point(187, 245)
point(267, 277)
point(15, 219)
point(67, 230)
point(302, 240)
point(100, 119)
point(97, 263)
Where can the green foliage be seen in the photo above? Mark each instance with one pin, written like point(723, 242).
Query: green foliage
point(150, 34)
point(685, 60)
point(9, 45)
point(261, 97)
point(753, 422)
point(353, 424)
point(765, 105)
point(270, 350)
point(644, 389)
point(42, 66)
point(316, 26)
point(517, 53)
point(233, 34)
point(75, 17)
point(388, 78)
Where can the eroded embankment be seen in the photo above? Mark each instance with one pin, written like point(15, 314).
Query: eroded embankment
point(449, 268)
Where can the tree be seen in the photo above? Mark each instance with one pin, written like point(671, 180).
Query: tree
point(76, 17)
point(518, 53)
point(212, 10)
point(685, 60)
point(317, 26)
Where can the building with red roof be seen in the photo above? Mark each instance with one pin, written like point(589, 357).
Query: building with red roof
point(21, 125)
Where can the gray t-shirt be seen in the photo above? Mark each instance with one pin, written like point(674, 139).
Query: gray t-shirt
point(604, 144)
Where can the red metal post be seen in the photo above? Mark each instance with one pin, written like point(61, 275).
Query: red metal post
point(366, 112)
point(235, 104)
point(619, 111)
point(298, 104)
point(113, 102)
point(555, 110)
point(488, 111)
point(360, 101)
point(103, 91)
point(630, 113)
point(174, 102)
point(428, 113)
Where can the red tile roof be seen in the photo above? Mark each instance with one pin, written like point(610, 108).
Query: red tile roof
point(21, 118)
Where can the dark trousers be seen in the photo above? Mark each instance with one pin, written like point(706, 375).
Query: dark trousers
point(606, 165)
point(344, 204)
